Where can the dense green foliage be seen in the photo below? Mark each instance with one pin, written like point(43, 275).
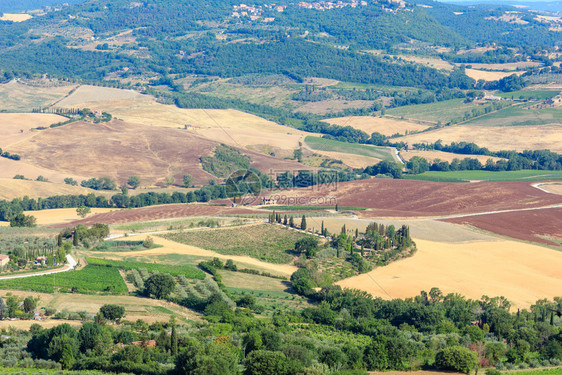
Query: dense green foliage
point(272, 244)
point(224, 161)
point(346, 332)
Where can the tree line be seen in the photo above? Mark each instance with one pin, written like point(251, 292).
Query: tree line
point(343, 331)
point(10, 209)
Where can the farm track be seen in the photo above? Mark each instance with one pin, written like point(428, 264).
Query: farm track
point(70, 266)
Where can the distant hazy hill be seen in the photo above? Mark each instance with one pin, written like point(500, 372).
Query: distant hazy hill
point(547, 6)
point(7, 6)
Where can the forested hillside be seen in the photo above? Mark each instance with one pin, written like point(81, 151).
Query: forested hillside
point(97, 40)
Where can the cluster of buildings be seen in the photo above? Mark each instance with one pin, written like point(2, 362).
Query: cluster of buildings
point(255, 12)
point(324, 5)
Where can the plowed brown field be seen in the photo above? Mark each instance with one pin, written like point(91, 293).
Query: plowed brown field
point(535, 225)
point(160, 212)
point(408, 198)
point(118, 150)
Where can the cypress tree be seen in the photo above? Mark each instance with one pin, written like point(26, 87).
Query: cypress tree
point(285, 220)
point(303, 223)
point(362, 250)
point(322, 228)
point(75, 239)
point(291, 222)
point(174, 337)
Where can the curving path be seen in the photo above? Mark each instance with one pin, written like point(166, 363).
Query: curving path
point(70, 266)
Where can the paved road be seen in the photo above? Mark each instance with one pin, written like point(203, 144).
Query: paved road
point(70, 266)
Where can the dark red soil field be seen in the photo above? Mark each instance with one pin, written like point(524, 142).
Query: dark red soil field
point(408, 198)
point(158, 212)
point(532, 225)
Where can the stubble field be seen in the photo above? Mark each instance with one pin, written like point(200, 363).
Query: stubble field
point(521, 272)
point(383, 125)
point(11, 189)
point(494, 138)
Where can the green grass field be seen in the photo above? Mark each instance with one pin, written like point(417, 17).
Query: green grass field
point(463, 176)
point(270, 243)
point(273, 295)
point(538, 95)
point(174, 270)
point(544, 371)
point(440, 111)
point(519, 115)
point(323, 144)
point(90, 279)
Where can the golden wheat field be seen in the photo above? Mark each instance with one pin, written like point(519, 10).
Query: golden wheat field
point(351, 160)
point(227, 126)
point(10, 189)
point(15, 17)
point(10, 168)
point(15, 127)
point(488, 75)
point(443, 156)
point(521, 272)
point(383, 125)
point(496, 138)
point(24, 96)
point(63, 215)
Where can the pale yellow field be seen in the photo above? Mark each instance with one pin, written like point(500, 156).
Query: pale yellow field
point(15, 127)
point(554, 188)
point(521, 272)
point(500, 138)
point(10, 189)
point(85, 95)
point(227, 126)
point(488, 75)
point(443, 156)
point(431, 62)
point(135, 308)
point(171, 247)
point(9, 168)
point(383, 125)
point(425, 229)
point(353, 161)
point(506, 66)
point(62, 215)
point(15, 17)
point(23, 96)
